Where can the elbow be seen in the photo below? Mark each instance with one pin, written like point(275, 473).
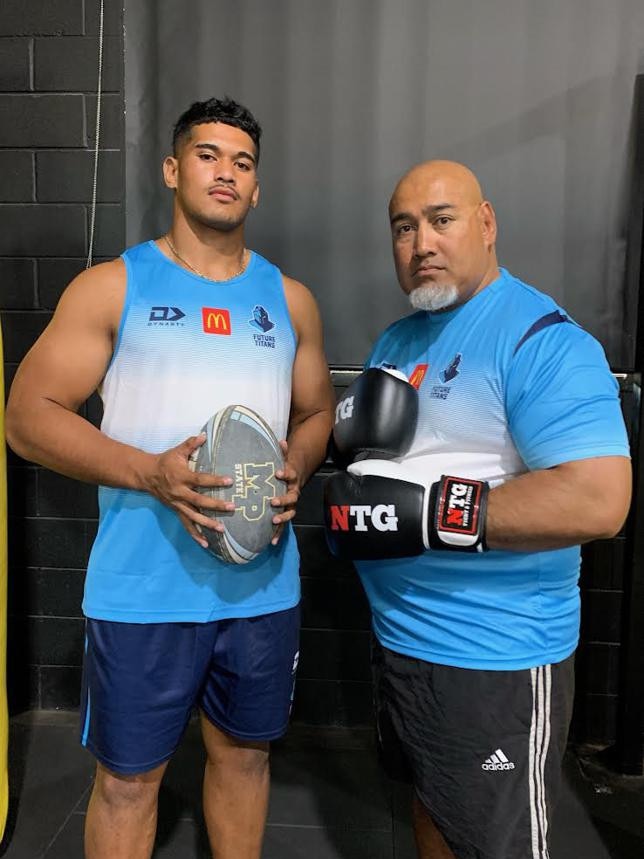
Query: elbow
point(14, 435)
point(609, 501)
point(607, 532)
point(609, 522)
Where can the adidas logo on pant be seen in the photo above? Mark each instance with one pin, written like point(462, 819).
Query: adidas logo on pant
point(497, 761)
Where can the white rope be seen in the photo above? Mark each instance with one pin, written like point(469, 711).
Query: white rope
point(99, 89)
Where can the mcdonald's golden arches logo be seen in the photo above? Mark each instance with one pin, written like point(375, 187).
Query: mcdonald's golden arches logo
point(216, 320)
point(416, 378)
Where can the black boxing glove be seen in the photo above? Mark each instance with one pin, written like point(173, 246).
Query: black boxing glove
point(376, 417)
point(376, 510)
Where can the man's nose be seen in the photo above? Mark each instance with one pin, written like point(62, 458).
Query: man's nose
point(424, 244)
point(224, 171)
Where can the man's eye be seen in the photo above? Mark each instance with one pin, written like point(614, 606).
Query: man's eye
point(443, 221)
point(404, 228)
point(243, 165)
point(206, 156)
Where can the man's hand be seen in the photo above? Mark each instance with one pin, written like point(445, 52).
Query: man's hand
point(288, 501)
point(173, 482)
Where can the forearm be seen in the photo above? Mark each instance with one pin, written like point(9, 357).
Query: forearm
point(558, 507)
point(307, 443)
point(67, 443)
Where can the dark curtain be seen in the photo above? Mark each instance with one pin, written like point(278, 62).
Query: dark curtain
point(536, 97)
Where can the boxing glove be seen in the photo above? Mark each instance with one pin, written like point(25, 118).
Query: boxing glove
point(377, 510)
point(376, 417)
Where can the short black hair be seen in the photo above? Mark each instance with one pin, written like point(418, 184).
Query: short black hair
point(223, 110)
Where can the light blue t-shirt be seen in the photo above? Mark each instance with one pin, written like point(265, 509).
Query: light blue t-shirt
point(507, 383)
point(188, 347)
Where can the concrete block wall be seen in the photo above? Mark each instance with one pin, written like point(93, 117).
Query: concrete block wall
point(48, 84)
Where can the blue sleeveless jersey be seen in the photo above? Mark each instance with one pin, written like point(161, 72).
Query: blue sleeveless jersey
point(186, 348)
point(507, 383)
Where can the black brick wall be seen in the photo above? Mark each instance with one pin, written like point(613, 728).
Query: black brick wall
point(48, 65)
point(48, 81)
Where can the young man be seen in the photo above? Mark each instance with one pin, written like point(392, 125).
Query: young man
point(168, 334)
point(473, 661)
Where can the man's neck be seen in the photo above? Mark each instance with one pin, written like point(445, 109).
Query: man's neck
point(211, 253)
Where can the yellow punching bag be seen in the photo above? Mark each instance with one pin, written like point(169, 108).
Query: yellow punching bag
point(4, 715)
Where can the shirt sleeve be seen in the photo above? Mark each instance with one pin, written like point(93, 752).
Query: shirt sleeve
point(562, 401)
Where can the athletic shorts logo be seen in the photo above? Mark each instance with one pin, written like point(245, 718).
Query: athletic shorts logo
point(345, 517)
point(216, 320)
point(496, 762)
point(418, 374)
point(165, 317)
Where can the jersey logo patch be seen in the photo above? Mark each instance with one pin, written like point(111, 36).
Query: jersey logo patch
point(418, 374)
point(216, 320)
point(261, 319)
point(451, 371)
point(165, 317)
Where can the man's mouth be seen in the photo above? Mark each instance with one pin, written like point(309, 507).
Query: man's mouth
point(428, 269)
point(223, 193)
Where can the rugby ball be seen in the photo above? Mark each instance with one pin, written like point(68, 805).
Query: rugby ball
point(241, 445)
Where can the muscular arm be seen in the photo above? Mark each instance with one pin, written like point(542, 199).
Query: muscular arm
point(312, 399)
point(65, 365)
point(569, 504)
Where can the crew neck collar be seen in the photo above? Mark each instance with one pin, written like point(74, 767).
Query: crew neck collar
point(204, 281)
point(471, 305)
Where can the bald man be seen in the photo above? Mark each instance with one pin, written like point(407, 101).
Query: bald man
point(474, 649)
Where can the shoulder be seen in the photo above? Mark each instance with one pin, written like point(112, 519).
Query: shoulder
point(522, 315)
point(301, 303)
point(525, 302)
point(97, 293)
point(539, 321)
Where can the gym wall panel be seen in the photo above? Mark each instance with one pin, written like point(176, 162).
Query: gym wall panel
point(351, 94)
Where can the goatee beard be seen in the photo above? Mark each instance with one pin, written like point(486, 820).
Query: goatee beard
point(433, 297)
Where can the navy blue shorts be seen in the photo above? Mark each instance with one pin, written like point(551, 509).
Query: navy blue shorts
point(142, 681)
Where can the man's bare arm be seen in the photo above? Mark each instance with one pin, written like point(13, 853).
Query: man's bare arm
point(312, 398)
point(67, 364)
point(62, 369)
point(567, 505)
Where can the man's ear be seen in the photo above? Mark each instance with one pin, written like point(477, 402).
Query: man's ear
point(487, 219)
point(170, 168)
point(254, 200)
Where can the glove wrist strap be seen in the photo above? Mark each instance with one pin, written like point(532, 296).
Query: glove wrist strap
point(458, 508)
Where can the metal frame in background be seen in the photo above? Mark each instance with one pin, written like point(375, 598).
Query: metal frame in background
point(627, 755)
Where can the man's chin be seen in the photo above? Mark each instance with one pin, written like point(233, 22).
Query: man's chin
point(433, 297)
point(222, 225)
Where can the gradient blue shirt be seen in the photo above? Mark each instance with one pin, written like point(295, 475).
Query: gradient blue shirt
point(508, 384)
point(186, 348)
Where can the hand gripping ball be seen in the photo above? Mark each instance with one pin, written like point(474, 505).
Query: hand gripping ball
point(241, 445)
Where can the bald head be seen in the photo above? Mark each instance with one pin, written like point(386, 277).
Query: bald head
point(444, 235)
point(457, 180)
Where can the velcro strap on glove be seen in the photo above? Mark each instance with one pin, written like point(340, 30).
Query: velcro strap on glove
point(458, 508)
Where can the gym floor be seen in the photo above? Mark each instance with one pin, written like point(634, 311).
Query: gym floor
point(328, 801)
